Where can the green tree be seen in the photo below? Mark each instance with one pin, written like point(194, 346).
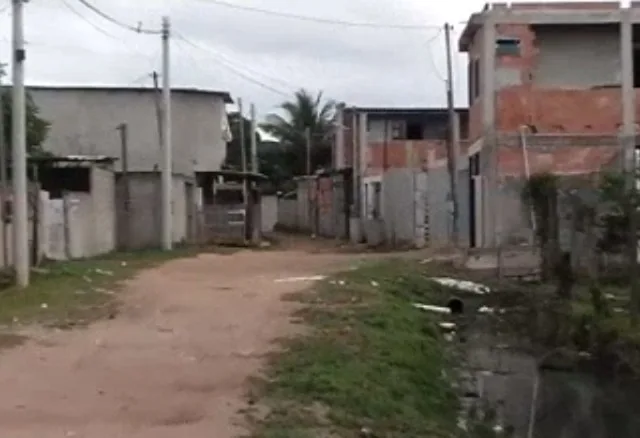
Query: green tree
point(304, 111)
point(233, 158)
point(37, 127)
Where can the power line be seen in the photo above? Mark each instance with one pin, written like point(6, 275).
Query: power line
point(117, 22)
point(222, 58)
point(432, 61)
point(77, 13)
point(238, 72)
point(320, 19)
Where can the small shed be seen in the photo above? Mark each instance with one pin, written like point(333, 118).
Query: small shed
point(80, 214)
point(231, 207)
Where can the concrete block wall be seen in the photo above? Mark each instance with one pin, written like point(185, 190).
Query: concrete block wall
point(179, 209)
point(568, 156)
point(404, 206)
point(7, 229)
point(288, 213)
point(269, 213)
point(103, 194)
point(145, 213)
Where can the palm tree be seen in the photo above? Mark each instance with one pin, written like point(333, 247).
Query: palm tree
point(304, 111)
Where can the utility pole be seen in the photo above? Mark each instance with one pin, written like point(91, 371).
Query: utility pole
point(254, 141)
point(452, 148)
point(628, 144)
point(124, 157)
point(157, 97)
point(19, 143)
point(3, 174)
point(243, 151)
point(338, 161)
point(167, 222)
point(307, 136)
point(243, 158)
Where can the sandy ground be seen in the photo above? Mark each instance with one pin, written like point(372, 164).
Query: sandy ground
point(175, 363)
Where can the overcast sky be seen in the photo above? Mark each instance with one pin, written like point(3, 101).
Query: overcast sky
point(237, 50)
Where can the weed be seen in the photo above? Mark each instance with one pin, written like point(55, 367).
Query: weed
point(370, 359)
point(68, 294)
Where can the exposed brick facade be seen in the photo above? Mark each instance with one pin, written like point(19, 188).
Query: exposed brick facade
point(394, 153)
point(548, 110)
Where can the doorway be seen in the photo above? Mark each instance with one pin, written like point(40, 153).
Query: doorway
point(474, 188)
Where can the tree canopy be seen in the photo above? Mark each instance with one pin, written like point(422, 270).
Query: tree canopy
point(289, 125)
point(37, 127)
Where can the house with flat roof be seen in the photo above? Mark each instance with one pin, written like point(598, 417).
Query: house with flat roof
point(85, 120)
point(552, 88)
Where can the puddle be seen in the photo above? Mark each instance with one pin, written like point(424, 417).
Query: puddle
point(567, 405)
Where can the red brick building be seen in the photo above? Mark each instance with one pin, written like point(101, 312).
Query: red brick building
point(399, 137)
point(548, 87)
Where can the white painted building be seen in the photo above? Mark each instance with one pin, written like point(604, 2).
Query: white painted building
point(84, 121)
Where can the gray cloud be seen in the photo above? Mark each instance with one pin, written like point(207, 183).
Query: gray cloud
point(238, 49)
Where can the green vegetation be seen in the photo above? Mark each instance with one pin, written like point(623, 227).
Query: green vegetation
point(68, 294)
point(37, 127)
point(369, 360)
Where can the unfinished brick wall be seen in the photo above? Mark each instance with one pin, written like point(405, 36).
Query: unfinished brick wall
point(560, 160)
point(592, 110)
point(550, 110)
point(563, 155)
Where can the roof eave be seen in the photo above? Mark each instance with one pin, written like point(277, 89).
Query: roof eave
point(469, 32)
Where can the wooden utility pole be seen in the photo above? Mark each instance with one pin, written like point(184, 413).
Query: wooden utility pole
point(124, 158)
point(452, 148)
point(307, 136)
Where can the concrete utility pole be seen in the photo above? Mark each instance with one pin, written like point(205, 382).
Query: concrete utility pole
point(254, 141)
point(124, 157)
point(243, 151)
point(3, 174)
point(363, 147)
point(157, 97)
point(167, 220)
point(19, 143)
point(452, 149)
point(338, 161)
point(628, 143)
point(243, 158)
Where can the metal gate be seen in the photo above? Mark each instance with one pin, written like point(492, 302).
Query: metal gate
point(224, 224)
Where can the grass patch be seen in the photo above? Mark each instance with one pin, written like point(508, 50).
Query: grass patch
point(68, 294)
point(370, 360)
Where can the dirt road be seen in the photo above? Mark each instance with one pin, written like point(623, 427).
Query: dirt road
point(173, 364)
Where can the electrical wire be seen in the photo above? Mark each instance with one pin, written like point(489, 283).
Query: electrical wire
point(99, 29)
point(241, 74)
point(78, 14)
point(320, 19)
point(117, 22)
point(432, 61)
point(222, 58)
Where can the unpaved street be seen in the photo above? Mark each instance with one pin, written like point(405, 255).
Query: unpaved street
point(173, 364)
